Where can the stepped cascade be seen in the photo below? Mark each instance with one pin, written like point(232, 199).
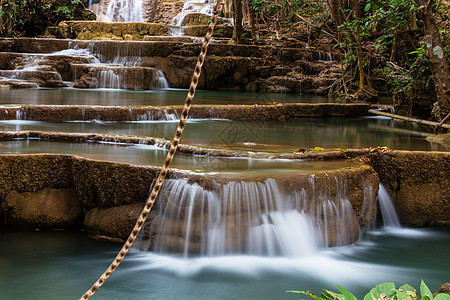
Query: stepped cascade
point(253, 218)
point(91, 67)
point(190, 7)
point(270, 184)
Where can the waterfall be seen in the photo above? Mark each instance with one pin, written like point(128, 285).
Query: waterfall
point(109, 79)
point(325, 57)
point(117, 66)
point(200, 6)
point(118, 10)
point(159, 80)
point(162, 115)
point(251, 218)
point(390, 218)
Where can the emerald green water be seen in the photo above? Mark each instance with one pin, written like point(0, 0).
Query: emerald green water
point(62, 265)
point(350, 132)
point(73, 96)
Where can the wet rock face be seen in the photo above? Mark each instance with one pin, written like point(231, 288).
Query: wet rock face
point(62, 113)
point(105, 184)
point(162, 12)
point(200, 199)
point(115, 223)
point(419, 183)
point(116, 77)
point(110, 192)
point(227, 67)
point(32, 70)
point(53, 191)
point(93, 30)
point(46, 208)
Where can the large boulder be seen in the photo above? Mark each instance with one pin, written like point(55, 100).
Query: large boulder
point(46, 208)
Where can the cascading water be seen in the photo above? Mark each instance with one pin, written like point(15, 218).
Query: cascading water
point(252, 218)
point(160, 80)
point(325, 56)
point(118, 10)
point(193, 6)
point(390, 218)
point(40, 67)
point(120, 68)
point(124, 11)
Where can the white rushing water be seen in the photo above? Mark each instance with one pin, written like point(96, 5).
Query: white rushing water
point(111, 66)
point(251, 218)
point(118, 10)
point(390, 218)
point(191, 6)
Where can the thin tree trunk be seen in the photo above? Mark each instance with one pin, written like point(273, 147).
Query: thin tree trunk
point(253, 24)
point(357, 37)
point(238, 29)
point(245, 12)
point(438, 63)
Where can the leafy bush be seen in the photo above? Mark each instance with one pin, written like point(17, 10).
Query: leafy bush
point(31, 17)
point(385, 291)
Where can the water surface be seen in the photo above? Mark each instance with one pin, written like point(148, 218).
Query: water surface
point(152, 155)
point(290, 135)
point(62, 265)
point(72, 96)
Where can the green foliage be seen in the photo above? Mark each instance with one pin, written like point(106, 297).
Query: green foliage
point(403, 79)
point(67, 11)
point(19, 16)
point(385, 291)
point(286, 15)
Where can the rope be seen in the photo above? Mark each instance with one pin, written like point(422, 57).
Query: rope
point(162, 174)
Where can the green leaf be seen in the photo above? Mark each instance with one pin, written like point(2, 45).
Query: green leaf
point(333, 295)
point(382, 290)
point(347, 294)
point(368, 296)
point(307, 293)
point(408, 290)
point(425, 291)
point(367, 8)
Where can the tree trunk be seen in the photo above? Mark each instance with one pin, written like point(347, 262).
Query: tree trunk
point(356, 12)
point(227, 8)
point(438, 63)
point(238, 29)
point(253, 24)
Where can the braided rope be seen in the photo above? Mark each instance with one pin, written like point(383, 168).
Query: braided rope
point(162, 175)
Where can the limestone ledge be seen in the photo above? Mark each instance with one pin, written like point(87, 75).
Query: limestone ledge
point(110, 195)
point(104, 186)
point(95, 30)
point(252, 150)
point(258, 112)
point(418, 182)
point(256, 68)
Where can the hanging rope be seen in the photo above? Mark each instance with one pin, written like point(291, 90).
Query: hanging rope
point(162, 174)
